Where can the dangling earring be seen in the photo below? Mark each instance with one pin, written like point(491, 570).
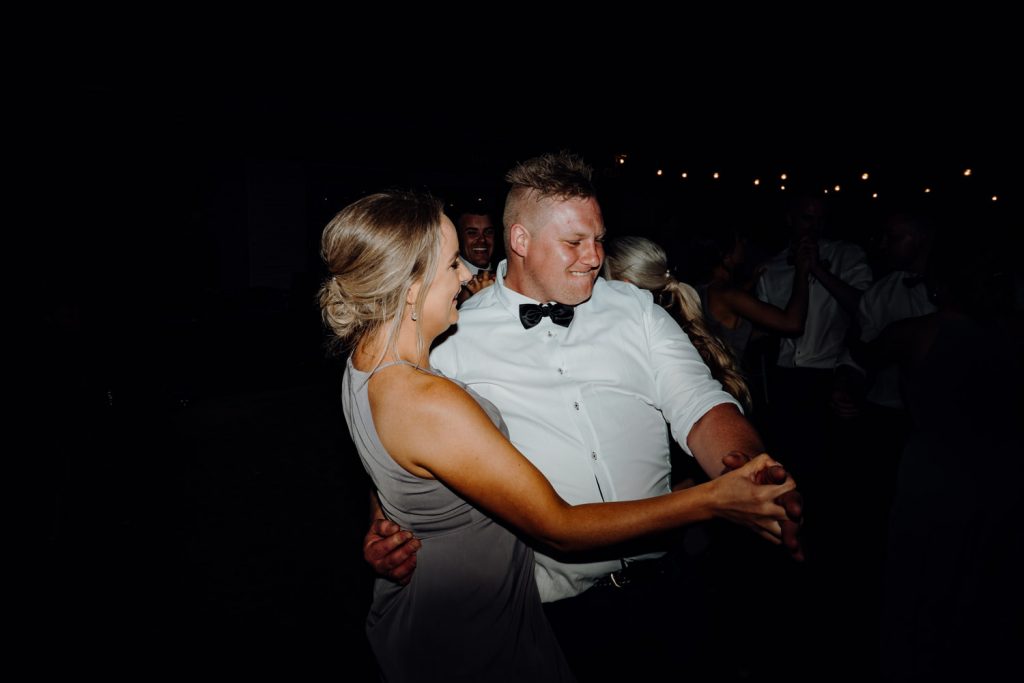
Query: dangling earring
point(414, 318)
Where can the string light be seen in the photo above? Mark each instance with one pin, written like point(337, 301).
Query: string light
point(620, 159)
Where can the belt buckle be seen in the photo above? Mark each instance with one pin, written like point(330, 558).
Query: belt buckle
point(619, 578)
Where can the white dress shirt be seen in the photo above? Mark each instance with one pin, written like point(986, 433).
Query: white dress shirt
point(587, 404)
point(822, 345)
point(471, 267)
point(885, 302)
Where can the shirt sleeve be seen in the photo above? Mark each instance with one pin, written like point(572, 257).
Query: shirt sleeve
point(444, 357)
point(761, 291)
point(684, 387)
point(868, 315)
point(854, 269)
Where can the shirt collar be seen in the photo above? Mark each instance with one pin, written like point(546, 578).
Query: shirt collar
point(471, 267)
point(509, 299)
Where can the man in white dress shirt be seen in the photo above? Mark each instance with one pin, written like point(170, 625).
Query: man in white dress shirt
point(815, 374)
point(813, 414)
point(474, 225)
point(906, 245)
point(586, 374)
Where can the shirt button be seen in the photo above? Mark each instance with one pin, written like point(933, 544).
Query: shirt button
point(593, 455)
point(561, 371)
point(550, 333)
point(576, 405)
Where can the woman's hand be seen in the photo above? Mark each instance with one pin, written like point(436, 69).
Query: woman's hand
point(751, 495)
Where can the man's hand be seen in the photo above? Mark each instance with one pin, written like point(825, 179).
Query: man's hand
point(390, 551)
point(481, 280)
point(792, 501)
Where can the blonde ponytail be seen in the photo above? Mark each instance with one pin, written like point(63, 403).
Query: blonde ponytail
point(683, 303)
point(645, 264)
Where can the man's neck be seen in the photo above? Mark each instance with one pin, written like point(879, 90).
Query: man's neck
point(472, 266)
point(513, 280)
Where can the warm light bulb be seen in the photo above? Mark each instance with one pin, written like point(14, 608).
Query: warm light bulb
point(995, 198)
point(836, 188)
point(684, 174)
point(757, 181)
point(967, 171)
point(782, 177)
point(659, 171)
point(782, 187)
point(874, 195)
point(863, 176)
point(927, 190)
point(715, 176)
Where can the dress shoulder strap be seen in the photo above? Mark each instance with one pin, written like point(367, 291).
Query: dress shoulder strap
point(398, 362)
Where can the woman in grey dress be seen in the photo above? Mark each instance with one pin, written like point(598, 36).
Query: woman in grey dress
point(443, 466)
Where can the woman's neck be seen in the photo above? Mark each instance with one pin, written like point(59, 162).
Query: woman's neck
point(375, 348)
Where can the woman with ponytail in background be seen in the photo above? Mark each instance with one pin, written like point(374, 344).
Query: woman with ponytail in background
point(643, 263)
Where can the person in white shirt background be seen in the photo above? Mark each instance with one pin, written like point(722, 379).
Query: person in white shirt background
point(902, 293)
point(586, 383)
point(474, 225)
point(905, 247)
point(813, 411)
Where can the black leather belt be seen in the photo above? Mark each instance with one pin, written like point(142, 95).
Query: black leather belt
point(638, 571)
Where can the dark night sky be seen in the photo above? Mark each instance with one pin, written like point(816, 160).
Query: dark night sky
point(923, 119)
point(143, 156)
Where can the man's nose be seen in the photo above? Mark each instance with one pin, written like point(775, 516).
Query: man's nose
point(592, 255)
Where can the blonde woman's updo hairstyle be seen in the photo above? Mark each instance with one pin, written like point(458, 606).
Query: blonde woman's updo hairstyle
point(642, 262)
point(375, 249)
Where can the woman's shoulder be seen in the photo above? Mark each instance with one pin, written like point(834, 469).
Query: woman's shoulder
point(729, 292)
point(407, 389)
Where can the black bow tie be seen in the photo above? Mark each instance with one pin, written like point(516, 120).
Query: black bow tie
point(530, 314)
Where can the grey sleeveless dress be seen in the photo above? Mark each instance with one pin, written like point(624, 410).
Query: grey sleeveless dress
point(471, 611)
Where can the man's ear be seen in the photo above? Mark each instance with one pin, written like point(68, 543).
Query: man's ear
point(519, 239)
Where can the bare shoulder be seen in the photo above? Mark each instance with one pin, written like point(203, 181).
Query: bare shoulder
point(412, 408)
point(733, 297)
point(404, 396)
point(728, 292)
